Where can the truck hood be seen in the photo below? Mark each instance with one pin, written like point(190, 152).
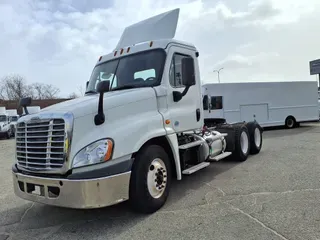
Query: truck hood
point(89, 104)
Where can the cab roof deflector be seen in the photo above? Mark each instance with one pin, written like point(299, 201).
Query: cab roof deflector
point(162, 26)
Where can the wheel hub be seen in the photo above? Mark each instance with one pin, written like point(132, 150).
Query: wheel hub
point(244, 142)
point(257, 137)
point(290, 122)
point(157, 178)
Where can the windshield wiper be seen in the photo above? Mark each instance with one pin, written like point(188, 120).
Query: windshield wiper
point(126, 87)
point(91, 91)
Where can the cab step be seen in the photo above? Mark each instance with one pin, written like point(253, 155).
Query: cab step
point(191, 144)
point(195, 168)
point(219, 157)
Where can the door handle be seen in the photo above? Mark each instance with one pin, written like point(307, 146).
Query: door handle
point(198, 113)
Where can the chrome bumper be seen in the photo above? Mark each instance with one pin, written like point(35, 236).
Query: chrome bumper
point(86, 193)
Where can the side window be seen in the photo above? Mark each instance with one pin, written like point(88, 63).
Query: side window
point(175, 73)
point(216, 103)
point(205, 102)
point(108, 76)
point(145, 74)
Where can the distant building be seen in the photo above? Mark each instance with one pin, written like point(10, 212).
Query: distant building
point(13, 104)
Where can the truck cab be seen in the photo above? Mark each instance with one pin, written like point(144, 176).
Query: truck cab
point(5, 130)
point(13, 118)
point(139, 125)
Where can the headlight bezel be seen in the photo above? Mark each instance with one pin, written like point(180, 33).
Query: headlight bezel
point(90, 148)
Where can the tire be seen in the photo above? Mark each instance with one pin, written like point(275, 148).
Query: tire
point(255, 133)
point(242, 143)
point(290, 122)
point(143, 191)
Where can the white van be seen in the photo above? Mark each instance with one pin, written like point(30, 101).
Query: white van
point(269, 103)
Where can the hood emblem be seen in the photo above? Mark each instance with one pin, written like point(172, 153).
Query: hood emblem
point(35, 119)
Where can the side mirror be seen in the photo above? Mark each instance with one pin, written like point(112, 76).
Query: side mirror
point(103, 86)
point(25, 102)
point(188, 78)
point(188, 73)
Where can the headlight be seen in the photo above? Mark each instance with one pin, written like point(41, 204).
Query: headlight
point(96, 152)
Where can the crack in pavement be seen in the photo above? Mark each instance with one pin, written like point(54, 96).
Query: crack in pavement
point(270, 193)
point(258, 221)
point(25, 213)
point(207, 203)
point(264, 193)
point(254, 194)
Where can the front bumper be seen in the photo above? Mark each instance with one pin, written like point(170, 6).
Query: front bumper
point(81, 194)
point(3, 133)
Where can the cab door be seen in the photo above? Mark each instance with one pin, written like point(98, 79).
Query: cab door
point(187, 113)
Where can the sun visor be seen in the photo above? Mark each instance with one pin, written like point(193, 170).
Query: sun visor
point(162, 26)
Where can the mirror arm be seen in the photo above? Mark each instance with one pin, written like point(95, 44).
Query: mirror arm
point(25, 110)
point(177, 96)
point(100, 117)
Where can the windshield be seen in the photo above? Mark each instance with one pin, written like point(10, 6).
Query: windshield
point(139, 70)
point(14, 119)
point(3, 118)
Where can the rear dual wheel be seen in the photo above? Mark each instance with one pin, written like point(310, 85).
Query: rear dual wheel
point(242, 143)
point(248, 140)
point(255, 132)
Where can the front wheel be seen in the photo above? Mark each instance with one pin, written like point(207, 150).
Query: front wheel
point(150, 180)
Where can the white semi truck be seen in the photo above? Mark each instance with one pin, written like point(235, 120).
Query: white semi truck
point(13, 118)
point(139, 125)
point(5, 129)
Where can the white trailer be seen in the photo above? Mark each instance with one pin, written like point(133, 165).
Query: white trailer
point(269, 103)
point(319, 103)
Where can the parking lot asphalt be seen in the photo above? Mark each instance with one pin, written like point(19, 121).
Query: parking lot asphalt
point(273, 195)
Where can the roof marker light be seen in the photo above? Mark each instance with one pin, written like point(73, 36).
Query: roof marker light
point(100, 58)
point(121, 51)
point(128, 50)
point(151, 43)
point(115, 53)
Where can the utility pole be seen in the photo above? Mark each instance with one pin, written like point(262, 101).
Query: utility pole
point(218, 71)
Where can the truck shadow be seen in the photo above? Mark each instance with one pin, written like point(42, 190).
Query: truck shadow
point(109, 221)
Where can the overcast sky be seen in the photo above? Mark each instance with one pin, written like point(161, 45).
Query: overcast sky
point(59, 42)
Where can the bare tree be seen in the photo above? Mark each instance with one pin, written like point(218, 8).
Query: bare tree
point(51, 92)
point(81, 90)
point(38, 91)
point(44, 91)
point(14, 87)
point(73, 95)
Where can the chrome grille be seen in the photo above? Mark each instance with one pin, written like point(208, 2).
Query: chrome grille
point(40, 145)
